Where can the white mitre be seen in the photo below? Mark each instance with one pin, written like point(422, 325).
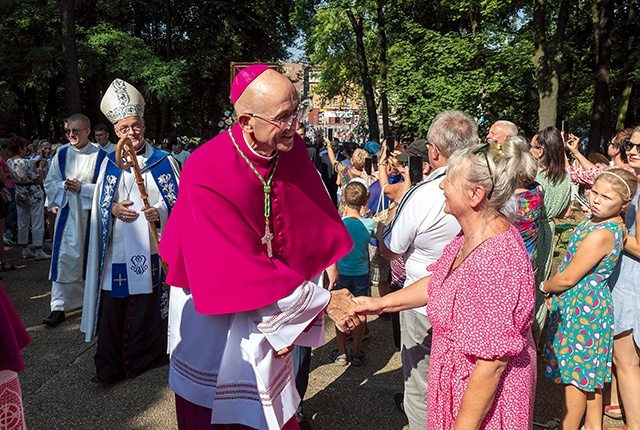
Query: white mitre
point(122, 100)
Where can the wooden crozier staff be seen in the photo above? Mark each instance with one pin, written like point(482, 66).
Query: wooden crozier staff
point(125, 158)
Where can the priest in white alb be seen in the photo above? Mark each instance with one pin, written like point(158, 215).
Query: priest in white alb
point(69, 187)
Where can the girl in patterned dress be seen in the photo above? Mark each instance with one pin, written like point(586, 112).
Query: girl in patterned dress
point(580, 331)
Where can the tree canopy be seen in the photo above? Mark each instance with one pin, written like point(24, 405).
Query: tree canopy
point(533, 62)
point(176, 52)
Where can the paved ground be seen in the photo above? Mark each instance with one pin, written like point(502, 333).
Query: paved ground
point(58, 394)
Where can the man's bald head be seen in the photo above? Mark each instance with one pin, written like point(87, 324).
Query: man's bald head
point(261, 91)
point(266, 111)
point(501, 131)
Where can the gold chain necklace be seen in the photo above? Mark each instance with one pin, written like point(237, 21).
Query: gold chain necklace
point(266, 187)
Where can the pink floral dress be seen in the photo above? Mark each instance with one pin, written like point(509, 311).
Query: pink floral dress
point(482, 310)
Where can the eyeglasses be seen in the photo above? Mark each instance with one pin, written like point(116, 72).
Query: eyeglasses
point(483, 150)
point(628, 146)
point(74, 130)
point(282, 124)
point(125, 129)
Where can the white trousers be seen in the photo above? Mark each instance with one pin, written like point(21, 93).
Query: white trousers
point(66, 297)
point(30, 215)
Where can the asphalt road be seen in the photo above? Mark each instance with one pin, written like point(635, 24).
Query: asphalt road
point(58, 394)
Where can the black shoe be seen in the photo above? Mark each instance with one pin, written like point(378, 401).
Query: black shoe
point(303, 423)
point(55, 318)
point(398, 398)
point(105, 379)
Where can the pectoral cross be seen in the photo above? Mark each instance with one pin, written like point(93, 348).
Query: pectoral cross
point(266, 239)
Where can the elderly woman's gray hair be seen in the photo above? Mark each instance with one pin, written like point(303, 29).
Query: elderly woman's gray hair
point(484, 165)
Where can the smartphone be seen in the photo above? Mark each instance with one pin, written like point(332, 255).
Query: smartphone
point(374, 160)
point(368, 163)
point(582, 201)
point(565, 128)
point(330, 134)
point(415, 169)
point(391, 145)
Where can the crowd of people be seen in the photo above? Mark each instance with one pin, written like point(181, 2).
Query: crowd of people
point(456, 230)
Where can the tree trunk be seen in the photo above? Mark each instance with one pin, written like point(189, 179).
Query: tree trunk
point(369, 96)
point(601, 114)
point(628, 69)
point(70, 58)
point(384, 102)
point(548, 72)
point(165, 116)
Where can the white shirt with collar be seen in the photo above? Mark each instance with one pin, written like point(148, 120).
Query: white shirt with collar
point(421, 229)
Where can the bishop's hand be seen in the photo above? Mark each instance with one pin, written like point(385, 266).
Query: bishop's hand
point(341, 309)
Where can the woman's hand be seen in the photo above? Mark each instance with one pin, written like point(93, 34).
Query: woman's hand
point(383, 153)
point(369, 305)
point(572, 142)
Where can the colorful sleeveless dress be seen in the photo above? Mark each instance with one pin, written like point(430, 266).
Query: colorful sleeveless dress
point(579, 337)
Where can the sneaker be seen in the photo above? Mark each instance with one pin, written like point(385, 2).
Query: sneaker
point(41, 255)
point(26, 253)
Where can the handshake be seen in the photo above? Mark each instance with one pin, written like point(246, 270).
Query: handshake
point(348, 311)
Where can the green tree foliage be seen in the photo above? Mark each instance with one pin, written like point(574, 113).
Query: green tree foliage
point(480, 56)
point(176, 52)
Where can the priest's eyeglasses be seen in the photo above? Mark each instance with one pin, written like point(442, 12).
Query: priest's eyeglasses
point(282, 124)
point(126, 128)
point(75, 131)
point(483, 150)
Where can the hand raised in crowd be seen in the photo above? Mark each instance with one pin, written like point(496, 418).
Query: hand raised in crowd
point(341, 309)
point(42, 163)
point(73, 185)
point(572, 142)
point(383, 154)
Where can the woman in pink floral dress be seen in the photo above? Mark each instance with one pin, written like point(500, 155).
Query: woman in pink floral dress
point(480, 299)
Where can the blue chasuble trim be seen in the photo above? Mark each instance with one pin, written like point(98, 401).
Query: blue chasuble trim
point(164, 177)
point(64, 215)
point(62, 220)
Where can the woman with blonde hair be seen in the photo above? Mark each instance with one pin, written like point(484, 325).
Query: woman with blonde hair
point(480, 300)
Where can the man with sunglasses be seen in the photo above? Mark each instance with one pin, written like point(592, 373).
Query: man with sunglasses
point(125, 300)
point(69, 187)
point(419, 232)
point(247, 243)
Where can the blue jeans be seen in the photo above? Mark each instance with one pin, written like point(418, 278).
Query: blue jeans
point(357, 285)
point(301, 357)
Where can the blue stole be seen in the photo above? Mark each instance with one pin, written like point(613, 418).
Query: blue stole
point(64, 215)
point(164, 176)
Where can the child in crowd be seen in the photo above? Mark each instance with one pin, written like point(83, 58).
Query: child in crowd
point(354, 267)
point(580, 332)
